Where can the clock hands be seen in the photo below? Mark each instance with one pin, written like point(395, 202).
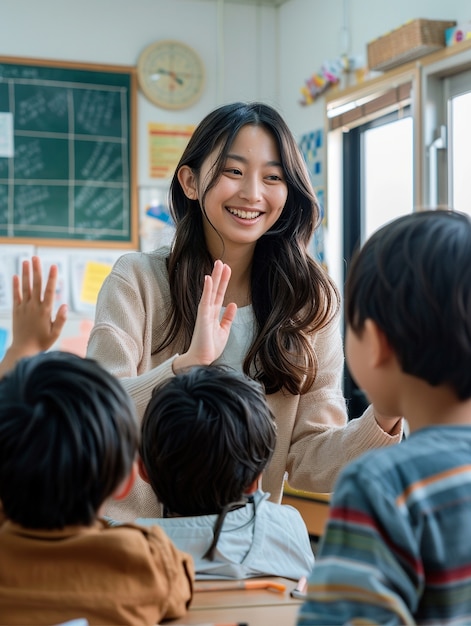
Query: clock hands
point(173, 75)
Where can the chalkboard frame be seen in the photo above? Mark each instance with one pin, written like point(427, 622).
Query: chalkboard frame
point(99, 76)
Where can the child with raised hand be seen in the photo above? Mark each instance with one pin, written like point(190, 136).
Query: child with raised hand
point(207, 436)
point(68, 443)
point(396, 548)
point(33, 327)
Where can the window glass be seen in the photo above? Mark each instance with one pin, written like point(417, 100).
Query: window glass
point(460, 152)
point(388, 174)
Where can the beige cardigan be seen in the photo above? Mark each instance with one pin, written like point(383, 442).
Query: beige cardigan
point(314, 439)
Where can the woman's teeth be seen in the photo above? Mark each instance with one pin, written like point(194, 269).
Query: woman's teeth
point(245, 215)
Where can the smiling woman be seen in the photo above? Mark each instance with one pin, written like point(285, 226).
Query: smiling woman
point(238, 286)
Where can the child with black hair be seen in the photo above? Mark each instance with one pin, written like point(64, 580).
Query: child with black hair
point(396, 549)
point(68, 442)
point(207, 436)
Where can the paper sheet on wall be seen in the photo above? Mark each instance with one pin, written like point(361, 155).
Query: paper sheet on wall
point(10, 263)
point(3, 341)
point(94, 275)
point(312, 146)
point(87, 274)
point(78, 343)
point(7, 148)
point(5, 290)
point(166, 145)
point(156, 226)
point(49, 258)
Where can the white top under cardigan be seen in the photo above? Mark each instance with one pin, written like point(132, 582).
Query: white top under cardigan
point(240, 338)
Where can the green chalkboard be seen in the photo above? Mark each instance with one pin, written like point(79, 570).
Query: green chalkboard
point(67, 153)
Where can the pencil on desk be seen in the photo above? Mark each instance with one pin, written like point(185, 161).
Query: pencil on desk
point(240, 584)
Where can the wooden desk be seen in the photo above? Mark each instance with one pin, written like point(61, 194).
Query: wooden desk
point(256, 607)
point(314, 508)
point(279, 615)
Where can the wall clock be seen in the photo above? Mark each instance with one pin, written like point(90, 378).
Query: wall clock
point(170, 74)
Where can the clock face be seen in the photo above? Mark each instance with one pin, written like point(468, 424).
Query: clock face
point(171, 74)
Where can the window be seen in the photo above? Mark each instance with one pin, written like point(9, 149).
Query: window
point(378, 188)
point(387, 179)
point(458, 94)
point(396, 143)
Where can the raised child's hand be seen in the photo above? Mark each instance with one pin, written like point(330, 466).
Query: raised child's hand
point(33, 328)
point(211, 333)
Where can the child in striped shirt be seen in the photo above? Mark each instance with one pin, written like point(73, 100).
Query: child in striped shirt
point(396, 548)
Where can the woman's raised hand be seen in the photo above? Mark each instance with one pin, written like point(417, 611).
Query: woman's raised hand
point(211, 333)
point(33, 328)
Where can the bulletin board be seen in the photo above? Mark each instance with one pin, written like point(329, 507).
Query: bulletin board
point(67, 154)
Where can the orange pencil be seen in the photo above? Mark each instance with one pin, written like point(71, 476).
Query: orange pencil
point(239, 584)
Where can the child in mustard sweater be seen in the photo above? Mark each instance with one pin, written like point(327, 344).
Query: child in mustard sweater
point(68, 443)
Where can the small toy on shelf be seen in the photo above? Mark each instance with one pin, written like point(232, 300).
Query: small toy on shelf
point(329, 75)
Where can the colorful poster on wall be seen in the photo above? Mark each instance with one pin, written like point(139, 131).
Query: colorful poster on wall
point(166, 145)
point(88, 271)
point(3, 341)
point(156, 226)
point(312, 147)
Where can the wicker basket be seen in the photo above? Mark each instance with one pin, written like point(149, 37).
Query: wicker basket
point(406, 43)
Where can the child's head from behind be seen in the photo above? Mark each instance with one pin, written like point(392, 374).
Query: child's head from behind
point(207, 435)
point(412, 278)
point(68, 439)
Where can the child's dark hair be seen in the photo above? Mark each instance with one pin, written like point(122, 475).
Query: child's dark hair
point(68, 438)
point(413, 278)
point(207, 434)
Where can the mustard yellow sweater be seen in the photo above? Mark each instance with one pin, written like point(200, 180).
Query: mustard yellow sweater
point(124, 575)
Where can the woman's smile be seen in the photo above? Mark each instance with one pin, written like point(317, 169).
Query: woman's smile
point(244, 214)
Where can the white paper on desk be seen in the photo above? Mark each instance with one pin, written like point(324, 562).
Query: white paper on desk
point(7, 148)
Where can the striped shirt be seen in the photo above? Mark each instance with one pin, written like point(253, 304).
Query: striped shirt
point(397, 546)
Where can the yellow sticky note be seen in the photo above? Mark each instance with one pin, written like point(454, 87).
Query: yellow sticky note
point(93, 277)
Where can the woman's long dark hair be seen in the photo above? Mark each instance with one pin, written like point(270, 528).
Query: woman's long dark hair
point(292, 295)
